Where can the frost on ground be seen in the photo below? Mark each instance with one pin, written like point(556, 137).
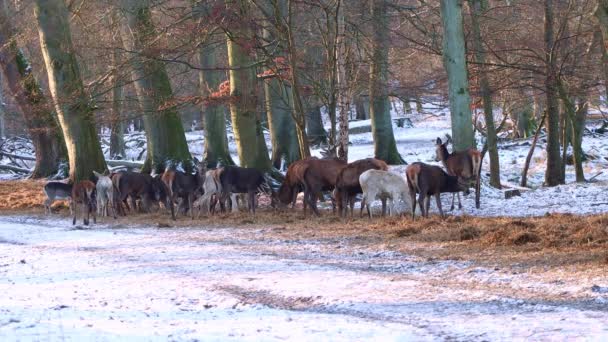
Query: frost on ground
point(141, 283)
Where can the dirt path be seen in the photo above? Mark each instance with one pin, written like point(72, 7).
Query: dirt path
point(252, 284)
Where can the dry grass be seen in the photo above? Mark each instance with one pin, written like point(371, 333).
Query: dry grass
point(551, 239)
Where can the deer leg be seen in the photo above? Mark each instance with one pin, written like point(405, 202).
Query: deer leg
point(312, 198)
point(362, 205)
point(94, 215)
point(413, 201)
point(383, 200)
point(421, 203)
point(252, 203)
point(452, 206)
point(75, 213)
point(459, 204)
point(427, 205)
point(438, 199)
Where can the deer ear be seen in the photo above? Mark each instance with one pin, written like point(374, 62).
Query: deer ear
point(438, 141)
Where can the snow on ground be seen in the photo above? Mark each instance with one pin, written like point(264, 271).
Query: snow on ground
point(418, 144)
point(136, 283)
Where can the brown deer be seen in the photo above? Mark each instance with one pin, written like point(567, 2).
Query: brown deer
point(463, 164)
point(430, 180)
point(347, 183)
point(83, 194)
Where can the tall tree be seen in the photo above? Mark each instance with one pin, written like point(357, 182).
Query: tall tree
point(477, 9)
point(246, 125)
point(278, 95)
point(166, 141)
point(117, 140)
point(216, 140)
point(385, 147)
point(69, 97)
point(454, 61)
point(553, 174)
point(343, 99)
point(601, 13)
point(43, 128)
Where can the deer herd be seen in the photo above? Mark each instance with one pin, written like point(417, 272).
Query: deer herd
point(193, 194)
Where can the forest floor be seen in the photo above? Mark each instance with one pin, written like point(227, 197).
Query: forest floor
point(281, 276)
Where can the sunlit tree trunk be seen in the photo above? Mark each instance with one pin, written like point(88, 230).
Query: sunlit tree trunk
point(251, 146)
point(166, 141)
point(71, 101)
point(214, 117)
point(553, 175)
point(478, 8)
point(385, 147)
point(454, 61)
point(278, 95)
point(42, 126)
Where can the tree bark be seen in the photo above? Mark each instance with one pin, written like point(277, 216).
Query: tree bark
point(553, 174)
point(477, 8)
point(343, 100)
point(316, 131)
point(279, 104)
point(454, 61)
point(42, 126)
point(385, 147)
point(69, 97)
point(166, 141)
point(117, 141)
point(2, 109)
point(246, 126)
point(574, 128)
point(283, 136)
point(214, 117)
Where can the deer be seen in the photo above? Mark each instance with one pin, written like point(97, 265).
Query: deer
point(463, 164)
point(56, 191)
point(83, 194)
point(383, 185)
point(431, 180)
point(105, 195)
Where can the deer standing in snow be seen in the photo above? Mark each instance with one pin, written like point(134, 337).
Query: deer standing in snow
point(431, 180)
point(463, 164)
point(83, 195)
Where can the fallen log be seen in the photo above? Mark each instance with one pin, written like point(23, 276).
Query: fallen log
point(125, 163)
point(15, 169)
point(16, 156)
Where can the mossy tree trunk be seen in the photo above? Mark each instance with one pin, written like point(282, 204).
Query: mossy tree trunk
point(246, 126)
point(166, 141)
point(278, 95)
point(314, 126)
point(454, 61)
point(385, 147)
point(285, 146)
point(69, 97)
point(477, 9)
point(214, 118)
point(42, 126)
point(553, 174)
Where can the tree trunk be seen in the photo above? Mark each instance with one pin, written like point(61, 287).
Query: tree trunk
point(454, 61)
point(42, 126)
point(603, 50)
point(285, 146)
point(117, 141)
point(2, 109)
point(477, 9)
point(246, 126)
point(385, 147)
point(314, 126)
point(343, 100)
point(70, 99)
point(214, 117)
point(575, 125)
point(553, 172)
point(281, 111)
point(360, 108)
point(166, 141)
